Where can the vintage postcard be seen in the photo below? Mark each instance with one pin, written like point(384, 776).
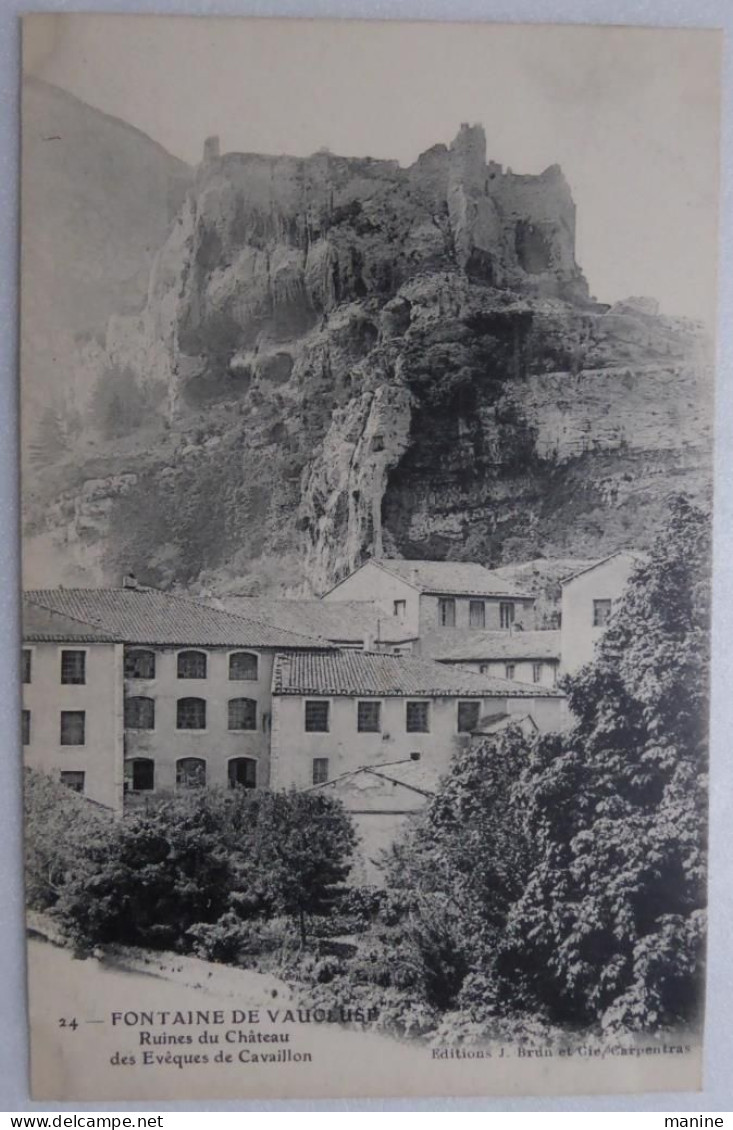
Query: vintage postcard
point(367, 392)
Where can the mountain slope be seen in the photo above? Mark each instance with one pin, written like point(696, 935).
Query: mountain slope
point(342, 356)
point(98, 198)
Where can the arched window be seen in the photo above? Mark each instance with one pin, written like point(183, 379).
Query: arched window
point(242, 714)
point(191, 664)
point(242, 773)
point(139, 713)
point(190, 773)
point(139, 664)
point(139, 774)
point(191, 714)
point(243, 665)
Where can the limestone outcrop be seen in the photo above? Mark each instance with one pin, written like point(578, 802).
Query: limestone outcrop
point(341, 356)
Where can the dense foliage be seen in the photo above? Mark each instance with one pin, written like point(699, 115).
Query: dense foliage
point(193, 869)
point(610, 926)
point(561, 881)
point(60, 826)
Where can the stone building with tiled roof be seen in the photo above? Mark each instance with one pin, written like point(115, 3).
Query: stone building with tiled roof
point(148, 616)
point(345, 623)
point(527, 657)
point(132, 691)
point(335, 712)
point(425, 597)
point(589, 596)
point(379, 730)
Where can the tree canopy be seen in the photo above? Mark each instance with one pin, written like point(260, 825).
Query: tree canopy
point(571, 869)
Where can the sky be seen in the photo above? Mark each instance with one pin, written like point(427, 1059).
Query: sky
point(631, 115)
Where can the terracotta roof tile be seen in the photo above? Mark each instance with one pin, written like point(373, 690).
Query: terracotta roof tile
point(453, 645)
point(379, 674)
point(453, 578)
point(44, 625)
point(146, 616)
point(342, 621)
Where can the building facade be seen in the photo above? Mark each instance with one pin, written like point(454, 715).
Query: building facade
point(336, 713)
point(73, 704)
point(522, 657)
point(588, 601)
point(437, 596)
point(168, 694)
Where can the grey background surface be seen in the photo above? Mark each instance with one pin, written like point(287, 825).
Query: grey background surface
point(718, 1087)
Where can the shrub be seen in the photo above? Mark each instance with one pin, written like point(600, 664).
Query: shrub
point(60, 825)
point(193, 867)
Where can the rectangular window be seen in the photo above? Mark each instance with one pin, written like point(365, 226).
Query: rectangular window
point(601, 613)
point(73, 779)
point(506, 614)
point(400, 609)
point(447, 612)
point(509, 671)
point(417, 717)
point(320, 770)
point(316, 717)
point(140, 664)
point(369, 717)
point(73, 726)
point(139, 713)
point(477, 614)
point(468, 716)
point(139, 775)
point(536, 672)
point(26, 665)
point(73, 667)
point(26, 727)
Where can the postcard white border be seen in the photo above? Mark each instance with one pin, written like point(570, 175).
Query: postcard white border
point(718, 1085)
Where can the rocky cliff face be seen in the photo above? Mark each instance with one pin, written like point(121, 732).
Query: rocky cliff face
point(98, 200)
point(339, 357)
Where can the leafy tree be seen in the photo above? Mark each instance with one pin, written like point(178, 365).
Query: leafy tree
point(205, 857)
point(59, 826)
point(160, 872)
point(302, 850)
point(469, 858)
point(610, 926)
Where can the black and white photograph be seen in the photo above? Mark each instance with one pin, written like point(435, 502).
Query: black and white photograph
point(367, 399)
